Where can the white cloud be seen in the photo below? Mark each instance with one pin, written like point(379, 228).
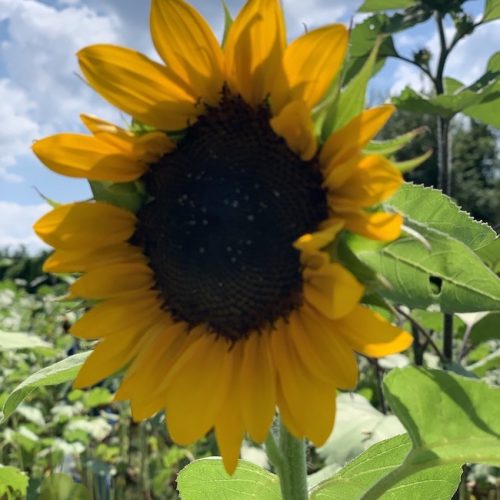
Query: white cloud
point(406, 75)
point(16, 110)
point(16, 225)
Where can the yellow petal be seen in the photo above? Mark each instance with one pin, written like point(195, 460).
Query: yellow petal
point(295, 125)
point(113, 280)
point(142, 88)
point(229, 429)
point(286, 416)
point(374, 180)
point(197, 387)
point(332, 353)
point(166, 343)
point(312, 61)
point(76, 261)
point(377, 226)
point(254, 50)
point(343, 143)
point(78, 155)
point(97, 125)
point(311, 401)
point(332, 290)
point(107, 358)
point(371, 335)
point(188, 46)
point(322, 349)
point(85, 225)
point(118, 315)
point(319, 239)
point(257, 386)
point(336, 174)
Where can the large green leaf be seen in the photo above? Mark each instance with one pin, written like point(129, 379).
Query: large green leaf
point(58, 373)
point(206, 479)
point(374, 5)
point(450, 420)
point(377, 462)
point(450, 275)
point(18, 340)
point(492, 10)
point(13, 482)
point(434, 209)
point(490, 254)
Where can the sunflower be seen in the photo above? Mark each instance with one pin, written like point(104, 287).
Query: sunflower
point(218, 298)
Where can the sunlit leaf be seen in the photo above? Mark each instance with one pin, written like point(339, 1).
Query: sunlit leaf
point(491, 10)
point(490, 253)
point(206, 479)
point(437, 211)
point(13, 482)
point(450, 420)
point(58, 373)
point(377, 462)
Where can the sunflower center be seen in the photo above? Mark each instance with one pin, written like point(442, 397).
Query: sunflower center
point(226, 207)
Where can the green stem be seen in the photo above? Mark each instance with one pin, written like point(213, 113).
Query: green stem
point(289, 459)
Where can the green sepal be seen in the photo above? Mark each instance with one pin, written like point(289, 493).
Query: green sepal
point(394, 145)
point(128, 195)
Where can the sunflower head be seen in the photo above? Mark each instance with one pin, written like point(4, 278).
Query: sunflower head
point(218, 294)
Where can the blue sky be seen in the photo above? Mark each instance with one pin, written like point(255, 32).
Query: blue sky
point(41, 92)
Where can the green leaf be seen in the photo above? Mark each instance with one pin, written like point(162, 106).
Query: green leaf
point(437, 211)
point(492, 10)
point(374, 5)
point(451, 275)
point(58, 373)
point(392, 146)
point(487, 328)
point(462, 427)
point(17, 340)
point(451, 85)
point(409, 165)
point(377, 462)
point(490, 253)
point(12, 480)
point(228, 22)
point(206, 479)
point(351, 101)
point(128, 195)
point(62, 487)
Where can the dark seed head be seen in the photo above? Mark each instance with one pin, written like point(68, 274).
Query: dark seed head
point(227, 206)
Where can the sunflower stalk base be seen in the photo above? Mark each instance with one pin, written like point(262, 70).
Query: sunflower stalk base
point(288, 456)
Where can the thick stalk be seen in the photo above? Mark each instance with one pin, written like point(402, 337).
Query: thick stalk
point(288, 457)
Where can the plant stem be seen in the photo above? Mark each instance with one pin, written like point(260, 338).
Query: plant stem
point(445, 166)
point(289, 460)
